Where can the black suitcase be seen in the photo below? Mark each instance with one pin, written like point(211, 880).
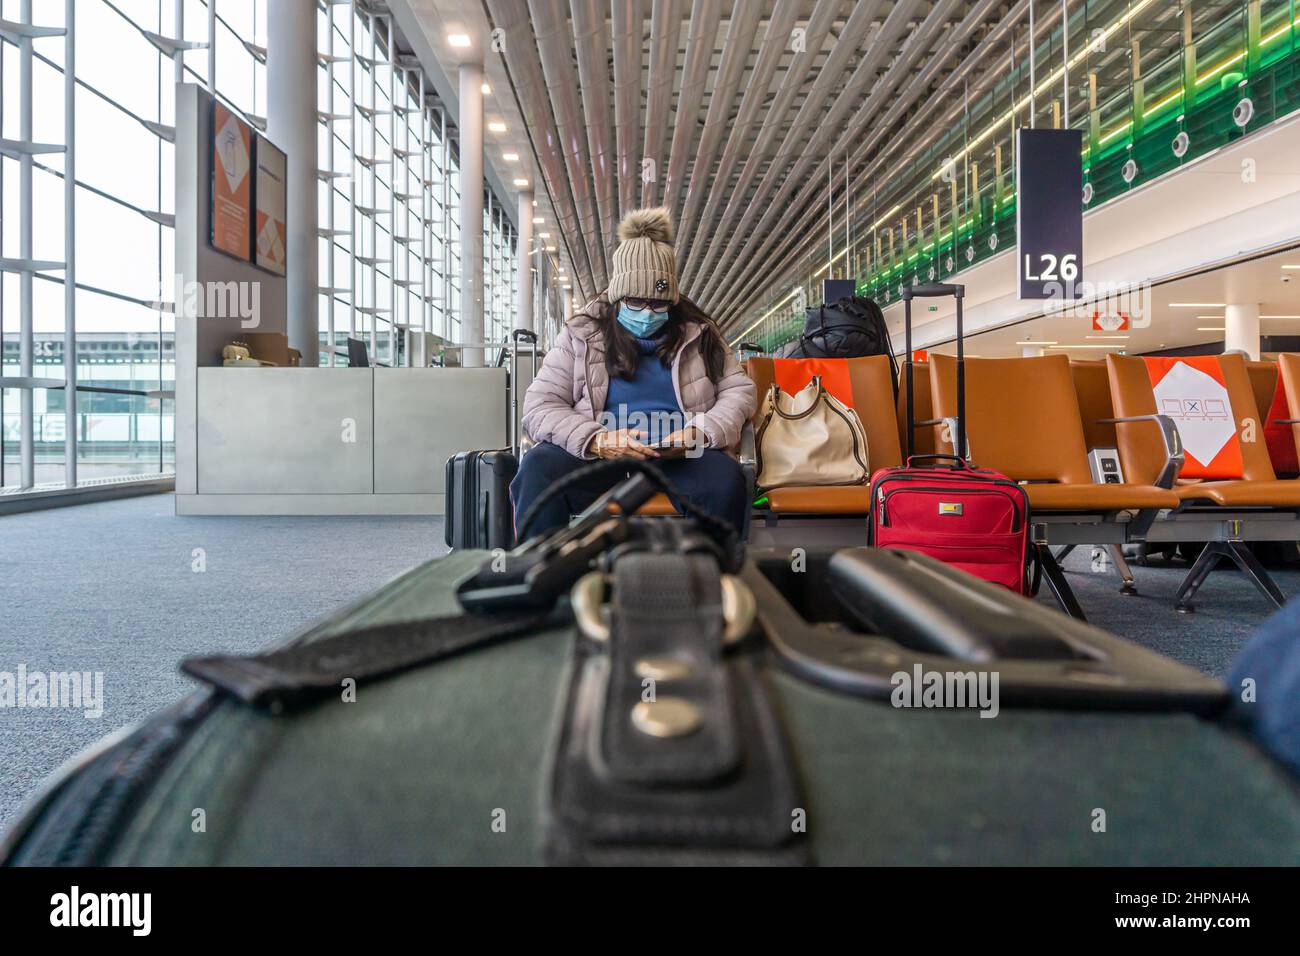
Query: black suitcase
point(478, 511)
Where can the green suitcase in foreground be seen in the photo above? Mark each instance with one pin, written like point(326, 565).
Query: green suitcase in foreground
point(481, 757)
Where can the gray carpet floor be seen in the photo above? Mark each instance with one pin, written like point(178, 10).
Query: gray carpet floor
point(1228, 609)
point(111, 587)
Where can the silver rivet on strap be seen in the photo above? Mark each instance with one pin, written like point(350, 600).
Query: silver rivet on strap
point(666, 717)
point(662, 668)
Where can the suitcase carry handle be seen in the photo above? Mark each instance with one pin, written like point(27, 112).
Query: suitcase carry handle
point(935, 290)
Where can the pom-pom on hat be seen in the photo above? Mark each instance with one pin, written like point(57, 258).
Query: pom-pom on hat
point(644, 265)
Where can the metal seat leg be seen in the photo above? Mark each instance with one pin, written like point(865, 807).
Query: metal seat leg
point(1245, 559)
point(1121, 565)
point(1205, 562)
point(1240, 555)
point(1060, 588)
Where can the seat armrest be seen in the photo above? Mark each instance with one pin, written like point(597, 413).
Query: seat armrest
point(749, 468)
point(1172, 441)
point(748, 453)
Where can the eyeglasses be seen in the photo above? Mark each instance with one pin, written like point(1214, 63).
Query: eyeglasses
point(657, 305)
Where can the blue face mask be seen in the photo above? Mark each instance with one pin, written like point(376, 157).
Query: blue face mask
point(642, 323)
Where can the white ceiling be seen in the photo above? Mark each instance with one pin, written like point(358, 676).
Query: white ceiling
point(435, 21)
point(730, 113)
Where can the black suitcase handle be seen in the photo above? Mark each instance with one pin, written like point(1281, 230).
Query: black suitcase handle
point(929, 291)
point(933, 290)
point(956, 462)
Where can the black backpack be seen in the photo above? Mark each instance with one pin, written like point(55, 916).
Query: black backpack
point(848, 328)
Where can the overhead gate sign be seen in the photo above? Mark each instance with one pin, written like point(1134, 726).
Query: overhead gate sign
point(1049, 212)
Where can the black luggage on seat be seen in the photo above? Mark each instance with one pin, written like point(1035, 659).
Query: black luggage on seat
point(491, 724)
point(478, 513)
point(851, 327)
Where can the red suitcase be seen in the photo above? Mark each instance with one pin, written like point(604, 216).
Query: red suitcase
point(975, 519)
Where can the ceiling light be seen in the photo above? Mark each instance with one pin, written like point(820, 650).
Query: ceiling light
point(1082, 346)
point(550, 248)
point(543, 235)
point(521, 182)
point(458, 39)
point(497, 126)
point(487, 90)
point(510, 157)
point(1210, 317)
point(1198, 305)
point(1297, 266)
point(1209, 328)
point(537, 219)
point(1028, 342)
point(1275, 316)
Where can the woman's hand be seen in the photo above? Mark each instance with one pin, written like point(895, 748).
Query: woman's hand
point(690, 441)
point(624, 443)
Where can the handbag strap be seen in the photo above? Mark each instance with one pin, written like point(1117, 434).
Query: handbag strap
point(775, 392)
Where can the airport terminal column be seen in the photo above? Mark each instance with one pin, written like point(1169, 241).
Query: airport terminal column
point(470, 124)
point(1241, 328)
point(524, 270)
point(291, 125)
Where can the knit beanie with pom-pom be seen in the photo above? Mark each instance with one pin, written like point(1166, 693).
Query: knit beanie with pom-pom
point(644, 265)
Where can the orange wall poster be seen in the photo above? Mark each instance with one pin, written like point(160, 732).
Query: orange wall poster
point(270, 212)
point(232, 188)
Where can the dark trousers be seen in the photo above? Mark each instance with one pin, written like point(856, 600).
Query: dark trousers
point(712, 482)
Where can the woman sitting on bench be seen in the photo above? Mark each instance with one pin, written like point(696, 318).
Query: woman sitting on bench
point(641, 373)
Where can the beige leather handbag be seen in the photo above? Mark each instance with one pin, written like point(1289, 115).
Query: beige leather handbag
point(810, 438)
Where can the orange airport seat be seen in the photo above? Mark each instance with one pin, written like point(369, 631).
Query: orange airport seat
point(1139, 442)
point(871, 379)
point(923, 437)
point(1245, 453)
point(1092, 389)
point(1023, 420)
point(1263, 382)
point(1288, 367)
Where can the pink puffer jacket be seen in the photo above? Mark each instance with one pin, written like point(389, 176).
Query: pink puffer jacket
point(564, 402)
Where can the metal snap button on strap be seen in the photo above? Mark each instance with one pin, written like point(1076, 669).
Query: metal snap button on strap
point(666, 717)
point(662, 668)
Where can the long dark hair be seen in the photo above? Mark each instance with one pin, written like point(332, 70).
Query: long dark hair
point(621, 355)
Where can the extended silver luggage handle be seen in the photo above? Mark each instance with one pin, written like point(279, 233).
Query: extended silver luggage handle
point(516, 427)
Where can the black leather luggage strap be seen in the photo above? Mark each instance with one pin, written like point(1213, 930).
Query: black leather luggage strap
point(281, 678)
point(667, 619)
point(669, 750)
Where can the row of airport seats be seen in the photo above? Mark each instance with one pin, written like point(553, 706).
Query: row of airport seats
point(1035, 420)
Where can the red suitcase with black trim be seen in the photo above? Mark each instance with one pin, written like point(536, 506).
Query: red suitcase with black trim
point(975, 519)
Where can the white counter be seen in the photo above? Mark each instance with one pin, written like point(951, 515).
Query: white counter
point(336, 440)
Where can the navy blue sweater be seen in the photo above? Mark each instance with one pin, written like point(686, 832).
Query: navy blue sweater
point(649, 391)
